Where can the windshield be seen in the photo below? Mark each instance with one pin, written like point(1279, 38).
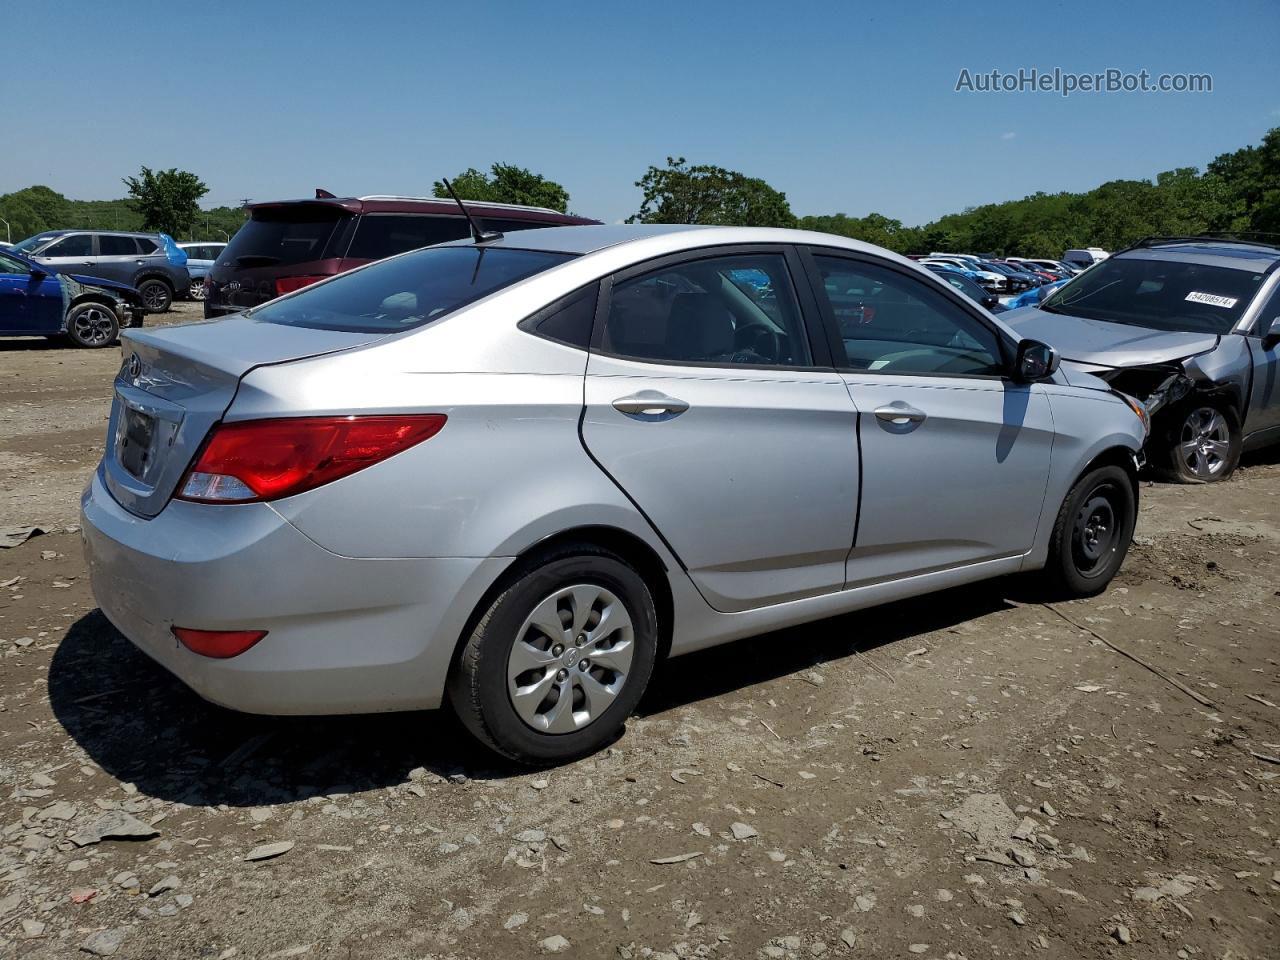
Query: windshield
point(1159, 294)
point(409, 290)
point(33, 243)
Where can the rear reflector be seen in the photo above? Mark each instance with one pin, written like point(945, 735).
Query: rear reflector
point(289, 284)
point(268, 459)
point(219, 644)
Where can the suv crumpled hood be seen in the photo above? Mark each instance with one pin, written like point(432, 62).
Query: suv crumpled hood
point(1105, 344)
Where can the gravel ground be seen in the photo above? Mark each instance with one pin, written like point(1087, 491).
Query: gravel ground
point(969, 775)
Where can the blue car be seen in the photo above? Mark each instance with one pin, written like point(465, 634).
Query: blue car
point(38, 300)
point(1035, 296)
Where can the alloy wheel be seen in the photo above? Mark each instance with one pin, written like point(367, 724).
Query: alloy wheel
point(197, 289)
point(1204, 444)
point(570, 658)
point(154, 296)
point(94, 326)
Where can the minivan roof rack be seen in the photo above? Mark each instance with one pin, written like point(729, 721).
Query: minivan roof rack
point(483, 203)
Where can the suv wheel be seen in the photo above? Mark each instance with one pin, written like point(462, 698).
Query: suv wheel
point(1203, 443)
point(559, 660)
point(157, 296)
point(1092, 534)
point(92, 325)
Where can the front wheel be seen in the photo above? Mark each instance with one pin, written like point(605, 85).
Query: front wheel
point(156, 295)
point(1092, 534)
point(1202, 443)
point(196, 292)
point(559, 660)
point(92, 325)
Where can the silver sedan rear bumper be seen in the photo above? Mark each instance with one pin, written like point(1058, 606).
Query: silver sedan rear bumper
point(344, 635)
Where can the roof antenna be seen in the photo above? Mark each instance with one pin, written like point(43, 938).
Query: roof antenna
point(477, 235)
point(322, 194)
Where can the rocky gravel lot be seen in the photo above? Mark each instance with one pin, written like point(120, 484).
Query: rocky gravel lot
point(969, 775)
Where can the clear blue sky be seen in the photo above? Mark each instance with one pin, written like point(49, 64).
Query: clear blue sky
point(845, 107)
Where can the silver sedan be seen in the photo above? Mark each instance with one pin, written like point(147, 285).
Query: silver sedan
point(512, 474)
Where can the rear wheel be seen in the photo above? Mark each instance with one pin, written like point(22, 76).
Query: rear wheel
point(1203, 443)
point(197, 289)
point(157, 296)
point(92, 325)
point(559, 659)
point(1092, 534)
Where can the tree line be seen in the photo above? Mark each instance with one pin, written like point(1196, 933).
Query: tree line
point(1239, 191)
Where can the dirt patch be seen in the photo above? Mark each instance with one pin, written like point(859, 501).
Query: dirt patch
point(965, 775)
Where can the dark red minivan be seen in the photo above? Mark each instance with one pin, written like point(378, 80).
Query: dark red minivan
point(288, 244)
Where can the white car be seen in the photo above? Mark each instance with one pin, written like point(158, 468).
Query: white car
point(201, 256)
point(988, 278)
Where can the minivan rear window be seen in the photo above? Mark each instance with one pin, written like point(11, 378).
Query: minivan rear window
point(284, 236)
point(407, 291)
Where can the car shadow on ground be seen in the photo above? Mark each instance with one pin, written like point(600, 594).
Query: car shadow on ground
point(29, 344)
point(142, 726)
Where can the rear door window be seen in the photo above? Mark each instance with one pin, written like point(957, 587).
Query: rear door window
point(109, 246)
point(382, 235)
point(146, 246)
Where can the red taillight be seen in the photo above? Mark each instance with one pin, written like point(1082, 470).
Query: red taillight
point(268, 459)
point(289, 284)
point(219, 644)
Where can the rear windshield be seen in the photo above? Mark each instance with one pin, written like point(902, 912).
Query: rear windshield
point(1158, 294)
point(283, 236)
point(407, 291)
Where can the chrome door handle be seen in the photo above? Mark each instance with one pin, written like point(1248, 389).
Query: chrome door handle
point(900, 414)
point(650, 405)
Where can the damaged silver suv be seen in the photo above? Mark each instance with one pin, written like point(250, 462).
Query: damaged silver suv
point(1191, 327)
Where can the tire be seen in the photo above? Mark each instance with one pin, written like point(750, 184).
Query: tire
point(196, 292)
point(1201, 442)
point(1091, 535)
point(92, 325)
point(157, 296)
point(566, 711)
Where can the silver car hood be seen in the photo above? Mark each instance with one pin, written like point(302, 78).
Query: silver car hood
point(1105, 344)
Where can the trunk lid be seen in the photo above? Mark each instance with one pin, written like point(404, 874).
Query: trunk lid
point(176, 383)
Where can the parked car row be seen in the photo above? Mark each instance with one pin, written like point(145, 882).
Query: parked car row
point(151, 263)
point(1003, 276)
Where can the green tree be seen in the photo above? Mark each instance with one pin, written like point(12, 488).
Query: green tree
point(680, 193)
point(507, 183)
point(168, 200)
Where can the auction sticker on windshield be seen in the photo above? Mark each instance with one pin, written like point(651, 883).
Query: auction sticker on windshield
point(1212, 299)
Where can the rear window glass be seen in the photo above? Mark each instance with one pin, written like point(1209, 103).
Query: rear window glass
point(380, 235)
point(146, 246)
point(407, 291)
point(282, 236)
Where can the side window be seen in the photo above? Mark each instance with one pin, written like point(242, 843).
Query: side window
point(568, 320)
point(893, 323)
point(380, 235)
point(720, 311)
point(76, 245)
point(146, 246)
point(8, 265)
point(109, 246)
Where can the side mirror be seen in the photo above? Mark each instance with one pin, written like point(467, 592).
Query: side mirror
point(1271, 339)
point(38, 273)
point(1035, 361)
point(990, 300)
